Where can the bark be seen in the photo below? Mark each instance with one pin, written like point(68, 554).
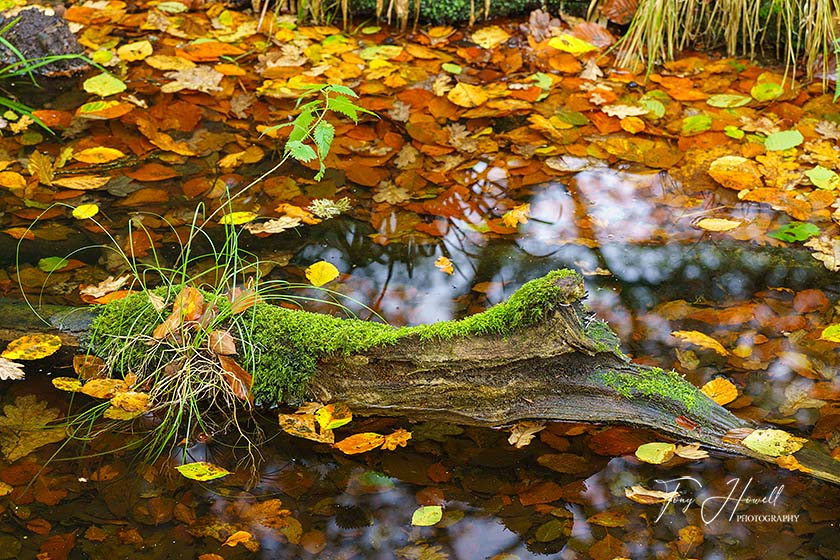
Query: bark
point(559, 365)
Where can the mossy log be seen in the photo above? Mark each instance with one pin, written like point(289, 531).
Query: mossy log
point(539, 355)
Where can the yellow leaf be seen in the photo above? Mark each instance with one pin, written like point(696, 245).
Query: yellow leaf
point(773, 442)
point(702, 340)
point(303, 426)
point(135, 51)
point(116, 413)
point(82, 182)
point(489, 37)
point(131, 401)
point(12, 180)
point(720, 390)
point(202, 471)
point(32, 347)
point(736, 172)
point(655, 453)
point(445, 265)
point(69, 384)
point(321, 272)
point(85, 211)
point(516, 215)
point(333, 416)
point(88, 366)
point(98, 155)
point(40, 166)
point(360, 443)
point(237, 537)
point(718, 224)
point(397, 438)
point(571, 44)
point(236, 218)
point(465, 95)
point(104, 388)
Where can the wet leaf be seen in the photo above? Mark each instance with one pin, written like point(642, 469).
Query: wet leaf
point(237, 218)
point(523, 432)
point(767, 91)
point(85, 211)
point(655, 453)
point(571, 44)
point(131, 401)
point(23, 428)
point(82, 182)
point(720, 390)
point(69, 384)
point(642, 495)
point(52, 264)
point(736, 172)
point(202, 471)
point(237, 537)
point(795, 231)
point(490, 37)
point(702, 340)
point(718, 224)
point(517, 215)
point(32, 347)
point(426, 516)
point(783, 140)
point(696, 124)
point(104, 388)
point(303, 426)
point(11, 370)
point(831, 333)
point(691, 451)
point(333, 416)
point(397, 438)
point(98, 155)
point(321, 273)
point(110, 284)
point(137, 50)
point(104, 85)
point(221, 342)
point(199, 78)
point(728, 100)
point(360, 443)
point(823, 178)
point(773, 442)
point(466, 95)
point(445, 265)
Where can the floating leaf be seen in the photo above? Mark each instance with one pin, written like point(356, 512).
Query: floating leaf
point(823, 178)
point(831, 333)
point(728, 100)
point(32, 347)
point(735, 172)
point(104, 388)
point(360, 443)
point(517, 215)
point(720, 390)
point(426, 516)
point(131, 401)
point(696, 124)
point(237, 218)
point(202, 471)
point(85, 211)
point(642, 495)
point(466, 95)
point(303, 426)
point(69, 384)
point(98, 155)
point(718, 224)
point(103, 85)
point(702, 340)
point(451, 68)
point(11, 370)
point(571, 44)
point(795, 231)
point(783, 140)
point(766, 91)
point(691, 451)
point(445, 265)
point(321, 272)
point(135, 51)
point(333, 416)
point(655, 453)
point(773, 442)
point(397, 438)
point(237, 537)
point(82, 182)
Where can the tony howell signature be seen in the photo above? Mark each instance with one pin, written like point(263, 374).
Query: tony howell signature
point(711, 507)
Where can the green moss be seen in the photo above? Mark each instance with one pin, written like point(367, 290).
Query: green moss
point(603, 336)
point(657, 383)
point(284, 346)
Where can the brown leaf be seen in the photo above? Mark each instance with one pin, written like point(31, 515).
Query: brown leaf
point(221, 342)
point(238, 379)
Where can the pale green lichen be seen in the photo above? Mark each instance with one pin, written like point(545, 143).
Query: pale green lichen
point(655, 383)
point(282, 346)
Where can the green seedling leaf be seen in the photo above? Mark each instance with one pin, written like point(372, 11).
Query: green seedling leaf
point(655, 453)
point(696, 124)
point(773, 442)
point(323, 135)
point(202, 471)
point(301, 124)
point(341, 104)
point(426, 516)
point(728, 100)
point(831, 333)
point(103, 85)
point(783, 140)
point(340, 90)
point(301, 151)
point(823, 178)
point(767, 91)
point(51, 264)
point(795, 231)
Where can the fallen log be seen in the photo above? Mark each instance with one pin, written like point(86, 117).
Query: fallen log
point(539, 355)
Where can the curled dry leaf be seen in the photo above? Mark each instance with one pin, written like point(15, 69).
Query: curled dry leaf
point(691, 451)
point(239, 380)
point(221, 342)
point(702, 340)
point(523, 432)
point(642, 495)
point(11, 370)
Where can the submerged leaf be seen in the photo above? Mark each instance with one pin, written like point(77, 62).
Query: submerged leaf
point(23, 427)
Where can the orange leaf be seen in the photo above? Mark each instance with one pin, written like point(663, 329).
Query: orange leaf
point(360, 443)
point(88, 366)
point(466, 95)
point(152, 172)
point(208, 51)
point(237, 537)
point(720, 390)
point(398, 438)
